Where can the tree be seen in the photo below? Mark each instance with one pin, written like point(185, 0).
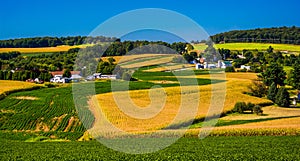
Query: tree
point(282, 97)
point(189, 47)
point(257, 110)
point(188, 57)
point(111, 60)
point(274, 73)
point(272, 92)
point(225, 53)
point(258, 89)
point(239, 107)
point(270, 49)
point(294, 76)
point(67, 73)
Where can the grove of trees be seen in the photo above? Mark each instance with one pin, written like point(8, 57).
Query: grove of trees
point(53, 41)
point(282, 35)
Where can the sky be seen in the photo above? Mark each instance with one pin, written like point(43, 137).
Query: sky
point(34, 18)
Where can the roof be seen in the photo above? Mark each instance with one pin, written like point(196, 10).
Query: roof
point(227, 62)
point(62, 72)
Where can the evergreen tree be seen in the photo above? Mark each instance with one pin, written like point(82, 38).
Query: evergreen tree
point(294, 76)
point(282, 97)
point(272, 92)
point(274, 73)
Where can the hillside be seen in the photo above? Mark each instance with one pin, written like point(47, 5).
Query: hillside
point(280, 35)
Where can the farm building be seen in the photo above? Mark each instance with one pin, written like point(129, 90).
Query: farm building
point(199, 66)
point(101, 76)
point(245, 67)
point(74, 74)
point(224, 64)
point(58, 77)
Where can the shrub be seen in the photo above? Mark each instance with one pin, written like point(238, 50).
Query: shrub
point(242, 70)
point(257, 110)
point(50, 85)
point(239, 107)
point(249, 107)
point(282, 97)
point(229, 69)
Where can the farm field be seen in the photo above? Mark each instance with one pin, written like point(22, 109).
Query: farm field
point(236, 84)
point(252, 46)
point(210, 148)
point(47, 117)
point(7, 86)
point(43, 49)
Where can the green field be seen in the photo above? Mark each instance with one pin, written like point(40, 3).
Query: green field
point(43, 124)
point(210, 148)
point(252, 46)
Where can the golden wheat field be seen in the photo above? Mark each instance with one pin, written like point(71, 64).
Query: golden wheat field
point(8, 85)
point(42, 49)
point(145, 110)
point(133, 57)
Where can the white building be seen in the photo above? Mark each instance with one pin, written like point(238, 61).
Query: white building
point(224, 64)
point(245, 67)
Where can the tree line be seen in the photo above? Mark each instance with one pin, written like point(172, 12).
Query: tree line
point(53, 41)
point(280, 35)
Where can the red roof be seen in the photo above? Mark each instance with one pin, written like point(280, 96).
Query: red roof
point(62, 72)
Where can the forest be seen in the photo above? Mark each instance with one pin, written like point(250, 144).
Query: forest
point(278, 35)
point(53, 41)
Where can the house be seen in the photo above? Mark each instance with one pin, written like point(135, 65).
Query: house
point(241, 56)
point(224, 64)
point(74, 74)
point(102, 76)
point(209, 66)
point(245, 67)
point(97, 75)
point(199, 66)
point(108, 77)
point(58, 77)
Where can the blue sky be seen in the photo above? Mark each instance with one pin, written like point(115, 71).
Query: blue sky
point(33, 18)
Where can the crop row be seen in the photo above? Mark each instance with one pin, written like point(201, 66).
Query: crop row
point(210, 148)
point(48, 109)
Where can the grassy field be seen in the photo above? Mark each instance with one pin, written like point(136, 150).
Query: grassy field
point(210, 148)
point(252, 46)
point(43, 49)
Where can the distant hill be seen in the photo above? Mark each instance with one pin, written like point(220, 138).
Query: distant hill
point(280, 35)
